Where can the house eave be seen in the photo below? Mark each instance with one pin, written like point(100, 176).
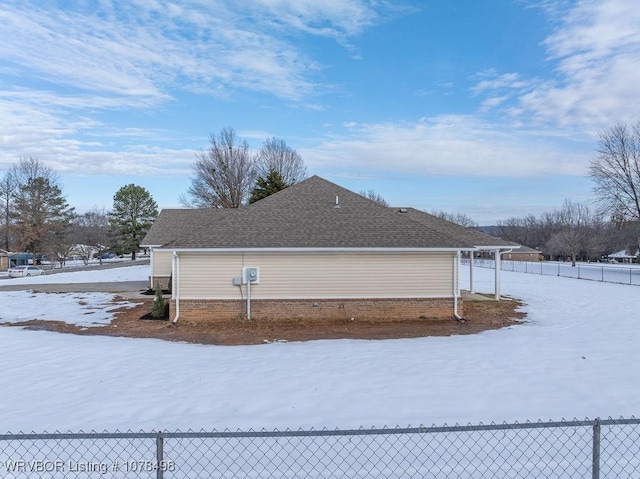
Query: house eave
point(319, 249)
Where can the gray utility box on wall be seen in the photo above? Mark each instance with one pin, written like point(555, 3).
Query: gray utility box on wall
point(250, 274)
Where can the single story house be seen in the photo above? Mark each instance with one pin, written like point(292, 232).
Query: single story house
point(22, 259)
point(524, 253)
point(623, 256)
point(313, 250)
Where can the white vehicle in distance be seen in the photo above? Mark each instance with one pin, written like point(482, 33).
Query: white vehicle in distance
point(22, 271)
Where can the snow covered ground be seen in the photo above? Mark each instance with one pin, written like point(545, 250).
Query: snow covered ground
point(610, 273)
point(82, 309)
point(576, 356)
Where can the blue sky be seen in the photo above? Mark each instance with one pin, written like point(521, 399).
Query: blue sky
point(488, 108)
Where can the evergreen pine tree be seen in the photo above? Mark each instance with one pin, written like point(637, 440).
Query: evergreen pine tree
point(159, 306)
point(268, 185)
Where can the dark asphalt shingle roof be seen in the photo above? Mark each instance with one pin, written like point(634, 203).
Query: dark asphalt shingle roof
point(305, 216)
point(468, 235)
point(172, 223)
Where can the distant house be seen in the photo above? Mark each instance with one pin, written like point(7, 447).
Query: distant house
point(21, 259)
point(623, 257)
point(524, 253)
point(4, 260)
point(313, 250)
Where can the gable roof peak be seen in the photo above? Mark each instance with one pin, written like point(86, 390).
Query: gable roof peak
point(313, 192)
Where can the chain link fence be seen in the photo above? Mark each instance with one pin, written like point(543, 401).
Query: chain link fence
point(568, 449)
point(594, 272)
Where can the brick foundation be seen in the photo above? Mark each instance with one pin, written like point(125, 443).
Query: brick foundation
point(199, 311)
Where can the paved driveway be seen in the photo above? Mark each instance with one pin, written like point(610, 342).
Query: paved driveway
point(126, 289)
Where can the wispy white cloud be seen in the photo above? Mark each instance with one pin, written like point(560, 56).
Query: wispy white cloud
point(137, 55)
point(594, 30)
point(595, 52)
point(490, 81)
point(332, 18)
point(448, 145)
point(493, 102)
point(37, 126)
point(74, 51)
point(62, 64)
point(144, 48)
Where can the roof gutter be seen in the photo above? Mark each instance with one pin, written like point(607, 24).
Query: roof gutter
point(317, 249)
point(511, 247)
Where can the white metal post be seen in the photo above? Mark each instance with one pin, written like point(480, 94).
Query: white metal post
point(248, 299)
point(175, 285)
point(471, 289)
point(497, 280)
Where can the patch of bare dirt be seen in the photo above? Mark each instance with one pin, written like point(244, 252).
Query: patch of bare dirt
point(480, 316)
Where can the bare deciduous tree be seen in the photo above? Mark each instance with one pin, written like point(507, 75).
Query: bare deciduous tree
point(8, 186)
point(91, 234)
point(458, 218)
point(616, 172)
point(529, 231)
point(574, 225)
point(224, 175)
point(375, 197)
point(276, 155)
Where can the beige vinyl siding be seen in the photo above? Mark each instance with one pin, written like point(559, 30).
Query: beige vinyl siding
point(319, 275)
point(161, 263)
point(209, 275)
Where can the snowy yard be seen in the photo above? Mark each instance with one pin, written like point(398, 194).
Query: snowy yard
point(576, 356)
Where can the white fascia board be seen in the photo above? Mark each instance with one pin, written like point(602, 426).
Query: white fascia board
point(482, 248)
point(316, 250)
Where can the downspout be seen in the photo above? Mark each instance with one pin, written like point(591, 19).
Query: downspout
point(151, 285)
point(456, 289)
point(175, 290)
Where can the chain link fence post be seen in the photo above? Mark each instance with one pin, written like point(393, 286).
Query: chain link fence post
point(595, 469)
point(160, 456)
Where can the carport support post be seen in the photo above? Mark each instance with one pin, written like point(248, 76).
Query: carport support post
point(471, 290)
point(497, 280)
